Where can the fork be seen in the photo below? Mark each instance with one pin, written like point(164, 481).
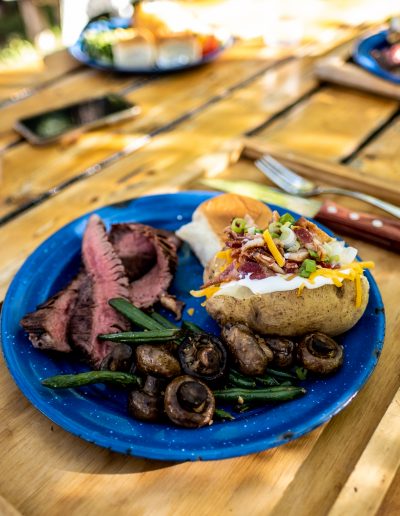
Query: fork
point(294, 184)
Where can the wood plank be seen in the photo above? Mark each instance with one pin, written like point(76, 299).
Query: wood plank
point(374, 472)
point(320, 479)
point(391, 502)
point(332, 174)
point(136, 487)
point(23, 174)
point(331, 124)
point(70, 89)
point(161, 102)
point(381, 157)
point(23, 82)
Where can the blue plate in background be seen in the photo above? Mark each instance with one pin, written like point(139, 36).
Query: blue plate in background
point(362, 55)
point(98, 413)
point(77, 50)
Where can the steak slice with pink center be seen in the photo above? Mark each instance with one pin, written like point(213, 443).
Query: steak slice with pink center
point(105, 279)
point(150, 259)
point(47, 326)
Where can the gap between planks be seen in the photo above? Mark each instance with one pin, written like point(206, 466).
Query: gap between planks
point(110, 159)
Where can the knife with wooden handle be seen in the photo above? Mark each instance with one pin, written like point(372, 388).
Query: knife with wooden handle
point(381, 231)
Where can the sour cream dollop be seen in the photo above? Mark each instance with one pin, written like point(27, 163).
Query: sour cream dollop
point(246, 287)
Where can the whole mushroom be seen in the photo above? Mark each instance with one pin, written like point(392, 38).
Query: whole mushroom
point(319, 353)
point(157, 361)
point(120, 358)
point(283, 351)
point(249, 351)
point(189, 402)
point(203, 356)
point(147, 404)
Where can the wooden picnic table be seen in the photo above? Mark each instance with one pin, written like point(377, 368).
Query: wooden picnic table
point(190, 123)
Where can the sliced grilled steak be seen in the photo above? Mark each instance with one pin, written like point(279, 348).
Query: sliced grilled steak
point(47, 326)
point(150, 259)
point(105, 279)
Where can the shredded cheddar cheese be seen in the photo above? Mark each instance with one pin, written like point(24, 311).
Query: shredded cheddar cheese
point(273, 249)
point(337, 276)
point(225, 255)
point(300, 289)
point(207, 292)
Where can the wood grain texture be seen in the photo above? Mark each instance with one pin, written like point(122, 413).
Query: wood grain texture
point(23, 166)
point(49, 471)
point(362, 179)
point(72, 88)
point(21, 82)
point(376, 468)
point(331, 124)
point(381, 158)
point(162, 102)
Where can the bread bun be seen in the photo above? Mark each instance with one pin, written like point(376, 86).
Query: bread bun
point(139, 50)
point(181, 49)
point(205, 233)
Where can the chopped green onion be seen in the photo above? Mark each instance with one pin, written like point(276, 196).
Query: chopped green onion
point(238, 225)
point(287, 218)
point(307, 267)
point(313, 253)
point(274, 227)
point(334, 259)
point(274, 235)
point(301, 373)
point(259, 231)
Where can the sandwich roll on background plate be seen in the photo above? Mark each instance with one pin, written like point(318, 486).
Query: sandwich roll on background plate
point(273, 273)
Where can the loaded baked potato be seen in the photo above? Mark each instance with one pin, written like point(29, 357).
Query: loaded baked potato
point(285, 278)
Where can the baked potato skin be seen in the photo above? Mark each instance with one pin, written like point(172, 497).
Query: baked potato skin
point(327, 309)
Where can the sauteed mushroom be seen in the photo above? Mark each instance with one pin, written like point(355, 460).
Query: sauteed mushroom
point(157, 361)
point(249, 351)
point(120, 358)
point(320, 353)
point(203, 356)
point(283, 351)
point(147, 404)
point(189, 402)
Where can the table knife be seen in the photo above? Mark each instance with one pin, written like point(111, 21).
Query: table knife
point(381, 231)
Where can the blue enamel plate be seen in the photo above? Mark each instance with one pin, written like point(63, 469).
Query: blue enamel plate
point(78, 51)
point(98, 413)
point(362, 55)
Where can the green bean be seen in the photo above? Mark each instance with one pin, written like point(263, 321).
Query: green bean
point(134, 314)
point(64, 381)
point(187, 325)
point(138, 337)
point(237, 379)
point(260, 395)
point(280, 374)
point(163, 321)
point(223, 414)
point(269, 381)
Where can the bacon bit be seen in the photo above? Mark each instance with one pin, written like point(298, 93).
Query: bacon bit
point(228, 274)
point(304, 236)
point(255, 270)
point(256, 242)
point(327, 265)
point(291, 267)
point(233, 244)
point(275, 216)
point(313, 229)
